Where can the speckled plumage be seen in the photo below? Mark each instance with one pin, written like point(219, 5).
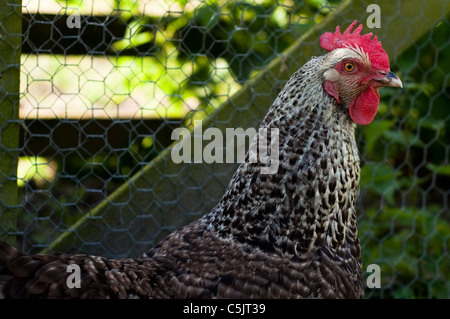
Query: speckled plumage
point(292, 234)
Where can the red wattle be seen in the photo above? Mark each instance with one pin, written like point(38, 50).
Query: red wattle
point(365, 106)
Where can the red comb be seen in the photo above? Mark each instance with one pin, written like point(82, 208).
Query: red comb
point(378, 57)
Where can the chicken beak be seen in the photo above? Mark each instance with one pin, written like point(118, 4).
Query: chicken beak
point(390, 79)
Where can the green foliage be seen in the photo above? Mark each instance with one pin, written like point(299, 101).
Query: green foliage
point(411, 246)
point(207, 52)
point(405, 227)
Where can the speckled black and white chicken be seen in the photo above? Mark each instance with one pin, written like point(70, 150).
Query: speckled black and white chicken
point(291, 234)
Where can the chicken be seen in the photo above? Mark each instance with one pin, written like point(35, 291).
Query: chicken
point(288, 234)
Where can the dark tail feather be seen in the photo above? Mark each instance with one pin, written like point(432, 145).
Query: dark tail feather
point(7, 254)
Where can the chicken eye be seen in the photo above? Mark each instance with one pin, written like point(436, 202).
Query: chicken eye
point(349, 67)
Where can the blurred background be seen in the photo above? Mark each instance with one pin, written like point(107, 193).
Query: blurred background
point(91, 91)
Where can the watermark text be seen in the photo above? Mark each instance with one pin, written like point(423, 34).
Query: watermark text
point(264, 148)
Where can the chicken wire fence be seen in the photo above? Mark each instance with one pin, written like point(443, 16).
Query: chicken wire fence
point(103, 84)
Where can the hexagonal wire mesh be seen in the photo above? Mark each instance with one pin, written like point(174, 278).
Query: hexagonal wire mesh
point(104, 83)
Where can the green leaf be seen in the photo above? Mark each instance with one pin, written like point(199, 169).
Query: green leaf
point(381, 179)
point(443, 170)
point(374, 132)
point(280, 16)
point(402, 137)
